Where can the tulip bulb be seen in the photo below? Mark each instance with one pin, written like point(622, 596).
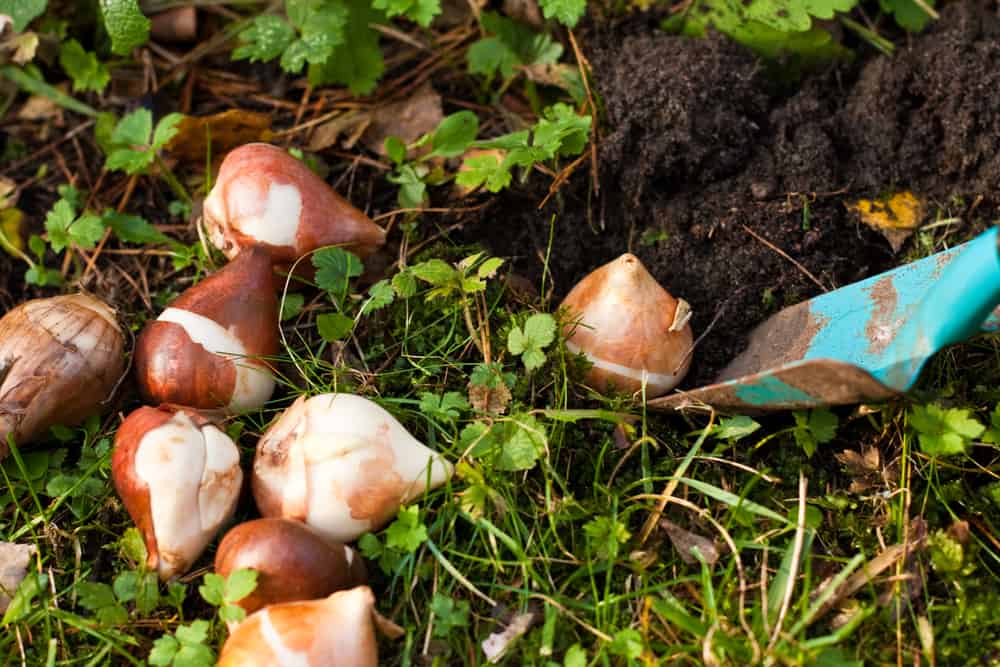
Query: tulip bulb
point(179, 478)
point(293, 562)
point(341, 464)
point(338, 630)
point(201, 351)
point(265, 196)
point(630, 328)
point(60, 359)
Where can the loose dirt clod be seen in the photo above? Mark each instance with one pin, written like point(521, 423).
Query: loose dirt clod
point(700, 143)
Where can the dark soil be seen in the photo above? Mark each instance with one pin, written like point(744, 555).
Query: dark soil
point(700, 145)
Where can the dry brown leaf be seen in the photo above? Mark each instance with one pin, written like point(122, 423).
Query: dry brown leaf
point(894, 217)
point(39, 107)
point(492, 401)
point(524, 11)
point(686, 542)
point(497, 643)
point(227, 130)
point(326, 135)
point(14, 561)
point(24, 47)
point(407, 119)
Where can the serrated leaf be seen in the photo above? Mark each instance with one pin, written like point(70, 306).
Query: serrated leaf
point(87, 231)
point(166, 129)
point(57, 224)
point(540, 329)
point(164, 650)
point(134, 129)
point(513, 44)
point(126, 25)
point(194, 655)
point(419, 11)
point(196, 633)
point(944, 432)
point(213, 589)
point(380, 295)
point(129, 161)
point(94, 596)
point(239, 584)
point(734, 428)
point(334, 269)
point(405, 284)
point(266, 39)
point(525, 442)
point(86, 71)
point(231, 613)
point(575, 657)
point(334, 326)
point(22, 12)
point(357, 63)
point(437, 272)
point(455, 134)
point(407, 532)
point(125, 585)
point(567, 12)
point(908, 14)
point(484, 169)
point(488, 269)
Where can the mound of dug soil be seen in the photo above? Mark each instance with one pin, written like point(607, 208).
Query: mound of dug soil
point(700, 149)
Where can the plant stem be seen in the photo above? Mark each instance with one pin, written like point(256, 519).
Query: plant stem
point(175, 185)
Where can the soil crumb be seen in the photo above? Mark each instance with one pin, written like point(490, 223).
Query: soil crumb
point(708, 169)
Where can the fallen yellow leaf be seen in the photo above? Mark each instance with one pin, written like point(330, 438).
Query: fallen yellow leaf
point(10, 231)
point(894, 216)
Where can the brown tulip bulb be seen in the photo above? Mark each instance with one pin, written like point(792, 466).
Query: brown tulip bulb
point(60, 360)
point(332, 632)
point(203, 350)
point(265, 196)
point(179, 477)
point(293, 562)
point(630, 328)
point(342, 464)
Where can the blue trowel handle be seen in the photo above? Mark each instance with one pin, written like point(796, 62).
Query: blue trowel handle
point(958, 305)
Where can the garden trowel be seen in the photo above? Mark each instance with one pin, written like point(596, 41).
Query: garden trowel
point(864, 342)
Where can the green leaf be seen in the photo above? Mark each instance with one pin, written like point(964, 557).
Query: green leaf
point(87, 231)
point(133, 547)
point(334, 269)
point(405, 284)
point(291, 305)
point(992, 434)
point(126, 25)
point(455, 134)
point(334, 326)
point(22, 12)
point(240, 583)
point(575, 657)
point(380, 295)
point(484, 169)
point(29, 588)
point(87, 72)
point(213, 590)
point(605, 535)
point(231, 613)
point(567, 12)
point(147, 594)
point(514, 44)
point(196, 633)
point(540, 329)
point(908, 14)
point(796, 15)
point(130, 161)
point(627, 644)
point(164, 650)
point(134, 129)
point(134, 229)
point(448, 614)
point(125, 585)
point(412, 188)
point(561, 131)
point(525, 441)
point(57, 224)
point(395, 149)
point(266, 39)
point(357, 63)
point(944, 432)
point(420, 11)
point(814, 428)
point(407, 532)
point(166, 129)
point(538, 333)
point(734, 428)
point(194, 655)
point(437, 272)
point(448, 407)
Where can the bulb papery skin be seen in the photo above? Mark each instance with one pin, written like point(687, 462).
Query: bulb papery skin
point(265, 196)
point(179, 477)
point(341, 464)
point(204, 350)
point(337, 631)
point(630, 328)
point(60, 360)
point(293, 562)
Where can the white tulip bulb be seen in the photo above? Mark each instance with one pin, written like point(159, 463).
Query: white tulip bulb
point(343, 465)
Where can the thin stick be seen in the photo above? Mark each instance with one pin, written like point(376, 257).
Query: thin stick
point(786, 256)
